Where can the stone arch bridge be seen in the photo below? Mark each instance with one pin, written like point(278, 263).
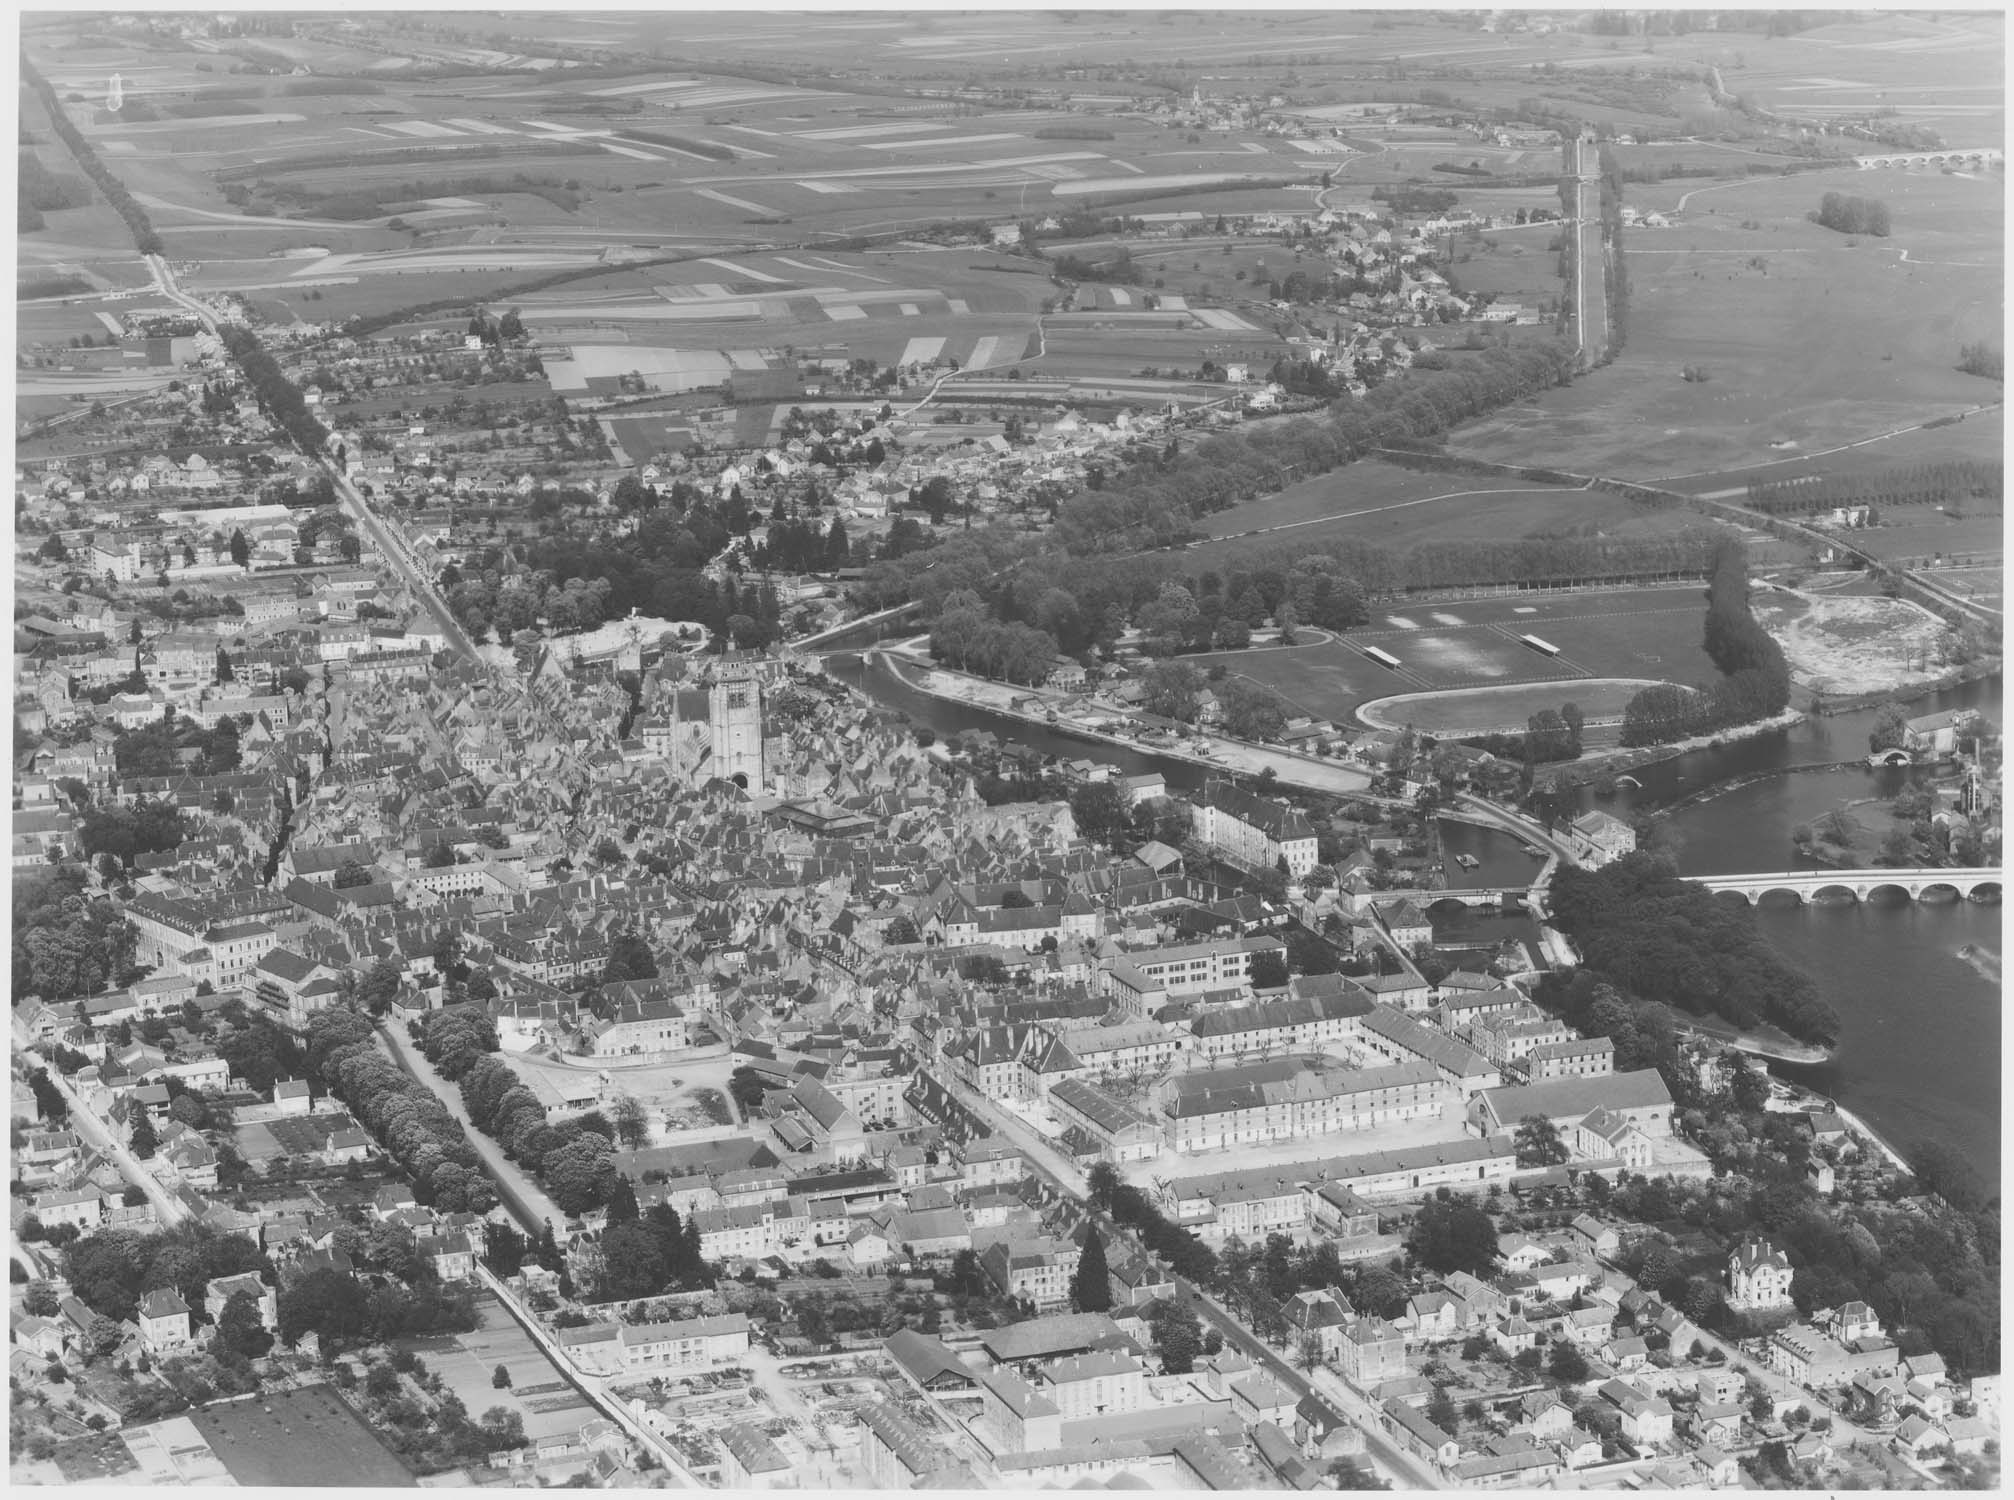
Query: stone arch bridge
point(1860, 884)
point(1983, 156)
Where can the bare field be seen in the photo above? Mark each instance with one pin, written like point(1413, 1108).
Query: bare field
point(1856, 645)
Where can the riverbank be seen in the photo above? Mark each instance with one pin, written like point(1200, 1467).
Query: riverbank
point(1764, 1041)
point(1226, 755)
point(1829, 705)
point(1592, 767)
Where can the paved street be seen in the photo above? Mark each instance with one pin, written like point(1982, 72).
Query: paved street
point(1396, 1465)
point(171, 1209)
point(521, 1195)
point(1590, 263)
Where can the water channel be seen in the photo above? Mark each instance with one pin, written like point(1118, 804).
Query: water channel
point(1919, 1047)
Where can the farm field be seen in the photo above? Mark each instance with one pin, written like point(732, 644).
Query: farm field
point(1519, 269)
point(1921, 531)
point(1808, 338)
point(1978, 437)
point(1397, 507)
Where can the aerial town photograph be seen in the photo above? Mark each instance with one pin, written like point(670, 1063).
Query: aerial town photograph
point(1008, 749)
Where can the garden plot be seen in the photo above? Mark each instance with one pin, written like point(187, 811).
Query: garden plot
point(1854, 645)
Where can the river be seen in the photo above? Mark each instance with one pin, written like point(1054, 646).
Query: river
point(1919, 1044)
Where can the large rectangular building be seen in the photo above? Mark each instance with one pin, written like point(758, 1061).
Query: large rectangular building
point(1288, 1098)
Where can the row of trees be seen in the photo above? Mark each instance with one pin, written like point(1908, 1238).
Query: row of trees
point(1916, 484)
point(1155, 500)
point(142, 227)
point(574, 1159)
point(1851, 215)
point(1672, 941)
point(1184, 1253)
point(414, 1126)
point(279, 396)
point(1755, 676)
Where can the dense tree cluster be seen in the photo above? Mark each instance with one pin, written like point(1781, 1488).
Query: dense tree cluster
point(413, 1125)
point(581, 579)
point(149, 826)
point(644, 1254)
point(1259, 1280)
point(142, 227)
point(276, 394)
point(154, 749)
point(1451, 1233)
point(66, 943)
point(1916, 484)
point(111, 1269)
point(1755, 677)
point(1184, 1253)
point(967, 637)
point(1982, 358)
point(1673, 941)
point(1852, 215)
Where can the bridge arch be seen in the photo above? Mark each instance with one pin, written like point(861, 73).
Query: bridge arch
point(1942, 888)
point(1906, 892)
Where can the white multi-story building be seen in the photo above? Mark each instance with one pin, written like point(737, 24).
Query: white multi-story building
point(1255, 832)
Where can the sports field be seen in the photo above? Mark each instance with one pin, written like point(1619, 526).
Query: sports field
point(1604, 637)
point(1480, 710)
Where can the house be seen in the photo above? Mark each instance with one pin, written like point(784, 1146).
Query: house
point(1646, 1420)
point(750, 1461)
point(220, 1290)
point(164, 1321)
point(687, 1344)
point(1598, 838)
point(1372, 1352)
point(453, 1255)
point(1596, 1238)
point(1758, 1277)
point(1418, 1436)
point(1935, 736)
point(1318, 1316)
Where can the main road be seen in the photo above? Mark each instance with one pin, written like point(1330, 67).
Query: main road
point(171, 1209)
point(1589, 260)
point(390, 542)
point(1324, 1386)
point(523, 1197)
